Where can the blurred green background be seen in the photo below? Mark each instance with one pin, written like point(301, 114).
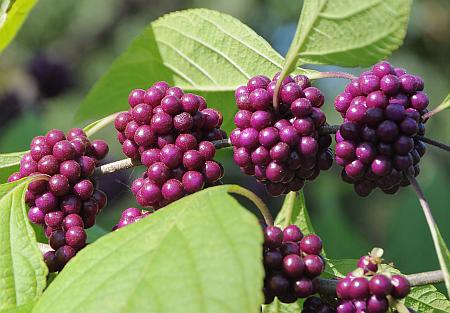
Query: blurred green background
point(65, 46)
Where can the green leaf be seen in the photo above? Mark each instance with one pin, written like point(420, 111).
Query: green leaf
point(427, 299)
point(348, 32)
point(26, 308)
point(441, 107)
point(9, 163)
point(199, 254)
point(23, 272)
point(96, 126)
point(12, 15)
point(444, 258)
point(279, 307)
point(294, 211)
point(338, 268)
point(199, 50)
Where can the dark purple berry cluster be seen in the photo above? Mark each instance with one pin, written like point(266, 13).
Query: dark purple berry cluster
point(369, 292)
point(280, 148)
point(130, 216)
point(68, 202)
point(378, 140)
point(171, 132)
point(315, 304)
point(291, 262)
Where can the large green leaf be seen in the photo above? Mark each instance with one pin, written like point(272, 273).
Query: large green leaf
point(12, 15)
point(199, 254)
point(347, 32)
point(23, 272)
point(199, 50)
point(294, 211)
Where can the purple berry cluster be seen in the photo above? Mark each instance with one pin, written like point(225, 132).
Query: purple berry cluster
point(280, 148)
point(171, 132)
point(378, 140)
point(291, 262)
point(68, 202)
point(315, 304)
point(368, 293)
point(129, 216)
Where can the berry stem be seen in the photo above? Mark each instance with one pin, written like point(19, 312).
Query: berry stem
point(328, 129)
point(262, 207)
point(319, 75)
point(430, 220)
point(435, 143)
point(117, 166)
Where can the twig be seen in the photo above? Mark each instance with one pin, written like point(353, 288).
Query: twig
point(129, 163)
point(430, 220)
point(435, 143)
point(319, 75)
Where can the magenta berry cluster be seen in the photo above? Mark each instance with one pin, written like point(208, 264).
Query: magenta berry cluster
point(379, 138)
point(281, 148)
point(171, 132)
point(130, 216)
point(291, 262)
point(68, 202)
point(369, 292)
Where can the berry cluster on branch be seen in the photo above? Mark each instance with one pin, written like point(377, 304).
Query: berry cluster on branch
point(379, 139)
point(68, 202)
point(281, 148)
point(292, 261)
point(171, 133)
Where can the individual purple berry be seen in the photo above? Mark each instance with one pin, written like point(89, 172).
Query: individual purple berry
point(171, 155)
point(311, 244)
point(292, 233)
point(193, 181)
point(314, 265)
point(359, 288)
point(293, 265)
point(36, 216)
point(83, 189)
point(377, 304)
point(76, 237)
point(135, 97)
point(401, 286)
point(53, 136)
point(380, 285)
point(64, 254)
